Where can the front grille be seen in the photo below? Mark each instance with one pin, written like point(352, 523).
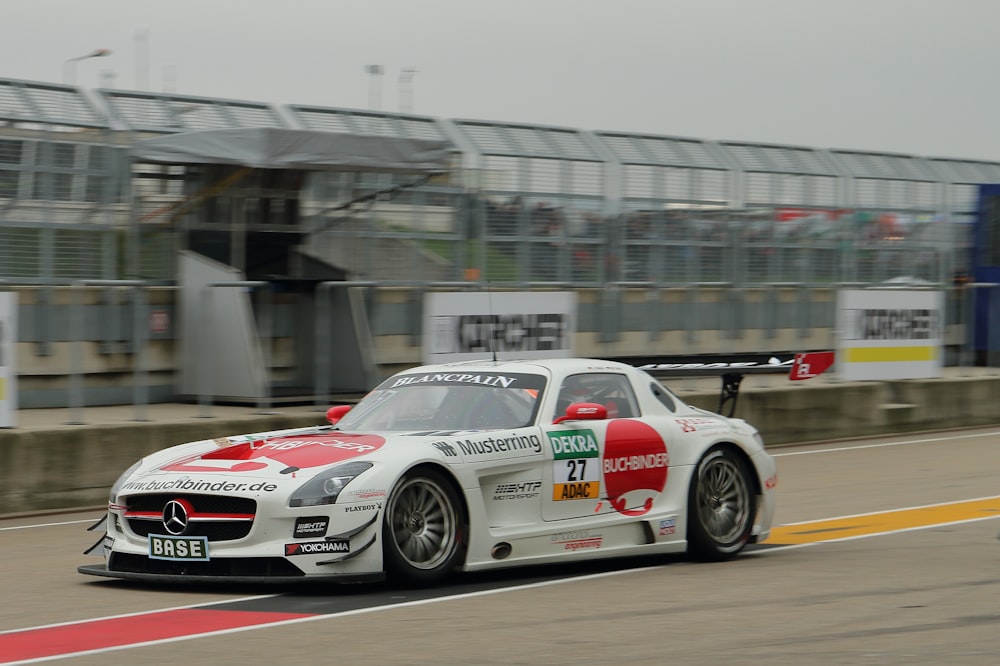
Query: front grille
point(223, 567)
point(227, 531)
point(202, 503)
point(216, 507)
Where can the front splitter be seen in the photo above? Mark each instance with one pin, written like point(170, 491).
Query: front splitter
point(173, 579)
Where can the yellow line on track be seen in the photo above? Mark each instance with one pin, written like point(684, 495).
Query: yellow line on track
point(884, 522)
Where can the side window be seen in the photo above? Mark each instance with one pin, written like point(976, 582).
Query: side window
point(663, 396)
point(611, 390)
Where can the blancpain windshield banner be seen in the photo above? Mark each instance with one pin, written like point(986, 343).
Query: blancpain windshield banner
point(467, 326)
point(8, 374)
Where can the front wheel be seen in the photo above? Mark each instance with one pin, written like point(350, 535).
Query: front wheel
point(721, 506)
point(423, 529)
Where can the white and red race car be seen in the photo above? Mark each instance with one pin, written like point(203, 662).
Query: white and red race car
point(462, 466)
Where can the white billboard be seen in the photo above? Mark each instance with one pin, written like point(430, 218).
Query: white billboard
point(890, 334)
point(467, 326)
point(8, 356)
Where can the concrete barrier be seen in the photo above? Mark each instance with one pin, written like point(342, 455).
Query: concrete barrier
point(68, 467)
point(834, 411)
point(72, 466)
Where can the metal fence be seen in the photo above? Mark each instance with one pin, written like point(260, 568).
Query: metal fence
point(524, 204)
point(669, 241)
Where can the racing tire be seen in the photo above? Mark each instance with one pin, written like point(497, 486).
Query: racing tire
point(423, 529)
point(722, 506)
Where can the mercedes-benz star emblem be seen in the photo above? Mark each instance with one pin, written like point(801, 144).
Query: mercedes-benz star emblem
point(175, 516)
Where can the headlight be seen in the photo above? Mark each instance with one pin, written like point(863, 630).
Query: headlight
point(326, 486)
point(117, 485)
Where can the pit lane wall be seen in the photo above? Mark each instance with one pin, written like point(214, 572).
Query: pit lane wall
point(73, 466)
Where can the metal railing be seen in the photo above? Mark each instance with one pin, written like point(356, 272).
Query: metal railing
point(140, 397)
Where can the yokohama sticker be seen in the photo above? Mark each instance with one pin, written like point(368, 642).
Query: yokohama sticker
point(280, 453)
point(318, 547)
point(635, 466)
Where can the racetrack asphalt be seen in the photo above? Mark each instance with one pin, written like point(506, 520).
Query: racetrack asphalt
point(901, 593)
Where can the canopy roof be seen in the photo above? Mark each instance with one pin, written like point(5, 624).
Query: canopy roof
point(274, 148)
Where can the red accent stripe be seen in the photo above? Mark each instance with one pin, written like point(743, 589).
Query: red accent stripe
point(100, 634)
point(153, 515)
point(221, 516)
point(144, 514)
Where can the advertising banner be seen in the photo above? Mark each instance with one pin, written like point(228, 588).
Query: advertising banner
point(466, 326)
point(8, 373)
point(890, 334)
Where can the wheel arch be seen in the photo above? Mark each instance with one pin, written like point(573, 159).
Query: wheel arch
point(740, 453)
point(395, 562)
point(702, 544)
point(454, 485)
point(445, 472)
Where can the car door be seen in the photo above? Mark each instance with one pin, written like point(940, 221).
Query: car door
point(593, 466)
point(572, 485)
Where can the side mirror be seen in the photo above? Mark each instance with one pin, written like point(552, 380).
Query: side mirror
point(584, 411)
point(336, 413)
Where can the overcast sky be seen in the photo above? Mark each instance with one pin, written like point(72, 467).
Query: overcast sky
point(907, 76)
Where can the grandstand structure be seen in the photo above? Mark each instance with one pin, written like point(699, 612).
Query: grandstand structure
point(523, 204)
point(747, 239)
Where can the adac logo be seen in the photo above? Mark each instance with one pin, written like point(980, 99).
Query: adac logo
point(290, 452)
point(635, 465)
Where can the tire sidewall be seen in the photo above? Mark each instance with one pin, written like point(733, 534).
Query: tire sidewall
point(701, 544)
point(396, 566)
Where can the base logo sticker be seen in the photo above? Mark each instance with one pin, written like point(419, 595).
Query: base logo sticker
point(635, 465)
point(576, 470)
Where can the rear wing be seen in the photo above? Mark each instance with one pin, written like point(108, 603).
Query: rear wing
point(801, 366)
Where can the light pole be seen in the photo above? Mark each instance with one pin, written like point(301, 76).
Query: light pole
point(406, 90)
point(69, 67)
point(141, 36)
point(374, 87)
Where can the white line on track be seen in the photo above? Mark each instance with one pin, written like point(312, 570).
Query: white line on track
point(67, 522)
point(136, 614)
point(875, 534)
point(481, 593)
point(927, 440)
point(356, 611)
point(903, 508)
point(422, 602)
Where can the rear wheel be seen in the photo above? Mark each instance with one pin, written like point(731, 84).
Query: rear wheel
point(423, 529)
point(721, 507)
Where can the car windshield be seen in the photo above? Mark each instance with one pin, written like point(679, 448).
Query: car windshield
point(448, 401)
